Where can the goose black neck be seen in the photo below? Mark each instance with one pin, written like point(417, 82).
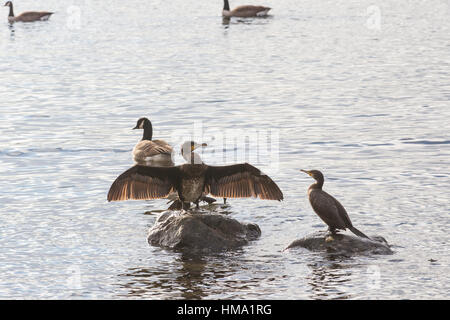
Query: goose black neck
point(11, 10)
point(148, 131)
point(226, 5)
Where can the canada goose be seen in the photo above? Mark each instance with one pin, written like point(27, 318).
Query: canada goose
point(151, 152)
point(327, 207)
point(244, 11)
point(192, 180)
point(28, 16)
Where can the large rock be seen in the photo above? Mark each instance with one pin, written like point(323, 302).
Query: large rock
point(342, 244)
point(197, 230)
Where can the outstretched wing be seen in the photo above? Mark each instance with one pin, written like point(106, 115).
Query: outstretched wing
point(240, 181)
point(142, 182)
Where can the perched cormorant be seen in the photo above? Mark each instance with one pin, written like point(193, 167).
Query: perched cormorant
point(244, 11)
point(192, 158)
point(29, 16)
point(192, 180)
point(150, 152)
point(327, 207)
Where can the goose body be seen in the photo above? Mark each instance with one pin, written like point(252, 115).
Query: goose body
point(327, 207)
point(148, 152)
point(245, 11)
point(151, 152)
point(29, 16)
point(191, 181)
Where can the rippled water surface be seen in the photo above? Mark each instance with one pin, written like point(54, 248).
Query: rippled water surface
point(358, 91)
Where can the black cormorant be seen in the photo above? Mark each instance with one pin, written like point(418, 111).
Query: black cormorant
point(327, 207)
point(192, 180)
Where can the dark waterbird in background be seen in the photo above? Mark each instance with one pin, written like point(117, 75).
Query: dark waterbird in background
point(246, 11)
point(327, 207)
point(192, 180)
point(29, 16)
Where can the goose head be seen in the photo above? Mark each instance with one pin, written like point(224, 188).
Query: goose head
point(142, 123)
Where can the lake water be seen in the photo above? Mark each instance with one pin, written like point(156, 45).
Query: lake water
point(357, 89)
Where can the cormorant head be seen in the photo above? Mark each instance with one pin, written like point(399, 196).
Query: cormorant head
point(315, 174)
point(189, 146)
point(187, 151)
point(141, 123)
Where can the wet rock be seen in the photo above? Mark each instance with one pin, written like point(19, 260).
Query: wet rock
point(342, 244)
point(200, 230)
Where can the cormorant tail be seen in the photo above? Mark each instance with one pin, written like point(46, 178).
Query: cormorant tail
point(358, 233)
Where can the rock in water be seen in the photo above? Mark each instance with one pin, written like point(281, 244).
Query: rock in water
point(342, 244)
point(204, 231)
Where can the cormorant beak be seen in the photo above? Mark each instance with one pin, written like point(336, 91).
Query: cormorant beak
point(306, 171)
point(195, 146)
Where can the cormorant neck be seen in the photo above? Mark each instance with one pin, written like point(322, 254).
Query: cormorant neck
point(317, 185)
point(148, 131)
point(192, 158)
point(226, 5)
point(11, 10)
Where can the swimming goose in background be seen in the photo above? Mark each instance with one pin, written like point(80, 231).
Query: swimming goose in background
point(150, 152)
point(327, 207)
point(28, 16)
point(192, 180)
point(244, 11)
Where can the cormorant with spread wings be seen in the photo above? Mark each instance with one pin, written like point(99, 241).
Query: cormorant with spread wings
point(192, 180)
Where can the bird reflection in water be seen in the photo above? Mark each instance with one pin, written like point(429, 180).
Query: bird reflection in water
point(192, 279)
point(12, 30)
point(226, 21)
point(327, 278)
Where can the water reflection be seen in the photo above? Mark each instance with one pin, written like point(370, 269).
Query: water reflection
point(226, 21)
point(254, 20)
point(328, 277)
point(193, 278)
point(12, 30)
